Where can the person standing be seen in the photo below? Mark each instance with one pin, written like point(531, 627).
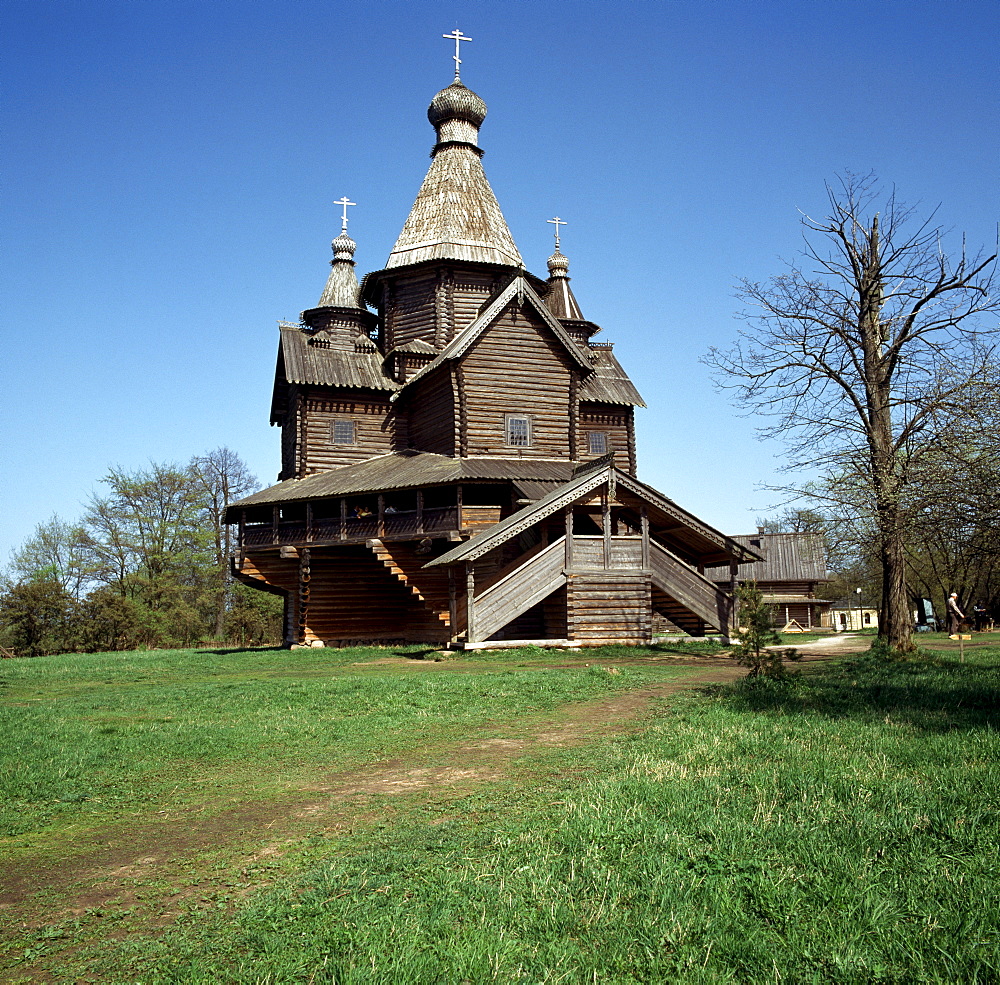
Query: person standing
point(955, 616)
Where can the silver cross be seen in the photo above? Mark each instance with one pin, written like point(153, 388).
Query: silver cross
point(459, 38)
point(343, 221)
point(557, 222)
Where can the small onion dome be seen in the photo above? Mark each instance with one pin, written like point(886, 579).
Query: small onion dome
point(344, 247)
point(456, 102)
point(558, 264)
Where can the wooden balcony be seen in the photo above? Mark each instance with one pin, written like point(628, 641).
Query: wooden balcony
point(410, 525)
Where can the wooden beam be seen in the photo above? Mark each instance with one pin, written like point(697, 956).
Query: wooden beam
point(644, 527)
point(343, 519)
point(309, 522)
point(734, 614)
point(452, 604)
point(275, 520)
point(381, 515)
point(606, 525)
point(470, 600)
point(420, 511)
point(569, 537)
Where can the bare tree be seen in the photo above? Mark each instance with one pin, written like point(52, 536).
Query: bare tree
point(864, 352)
point(223, 478)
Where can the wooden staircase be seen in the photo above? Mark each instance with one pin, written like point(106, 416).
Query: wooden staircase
point(686, 597)
point(515, 593)
point(402, 561)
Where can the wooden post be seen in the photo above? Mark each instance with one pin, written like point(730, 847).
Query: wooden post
point(470, 599)
point(569, 537)
point(343, 519)
point(381, 515)
point(309, 522)
point(275, 521)
point(606, 523)
point(420, 511)
point(243, 537)
point(452, 604)
point(734, 615)
point(644, 527)
point(458, 501)
point(305, 575)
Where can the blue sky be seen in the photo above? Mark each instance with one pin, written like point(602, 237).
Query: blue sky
point(170, 168)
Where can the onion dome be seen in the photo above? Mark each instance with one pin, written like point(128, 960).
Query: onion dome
point(343, 248)
point(455, 215)
point(341, 289)
point(456, 102)
point(560, 300)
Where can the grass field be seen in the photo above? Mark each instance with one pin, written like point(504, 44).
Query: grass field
point(370, 816)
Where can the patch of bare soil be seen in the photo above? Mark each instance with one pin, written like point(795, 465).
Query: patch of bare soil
point(156, 867)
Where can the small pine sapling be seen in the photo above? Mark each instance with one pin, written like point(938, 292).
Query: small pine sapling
point(757, 633)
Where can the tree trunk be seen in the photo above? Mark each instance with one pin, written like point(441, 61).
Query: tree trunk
point(895, 622)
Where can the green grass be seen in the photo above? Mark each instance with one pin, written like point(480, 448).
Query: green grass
point(91, 737)
point(840, 828)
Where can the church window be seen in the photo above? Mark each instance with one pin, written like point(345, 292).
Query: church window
point(598, 442)
point(344, 433)
point(518, 430)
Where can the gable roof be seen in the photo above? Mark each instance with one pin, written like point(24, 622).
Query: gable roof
point(786, 557)
point(520, 290)
point(698, 537)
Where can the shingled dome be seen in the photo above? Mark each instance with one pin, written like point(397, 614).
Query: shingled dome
point(455, 215)
point(456, 102)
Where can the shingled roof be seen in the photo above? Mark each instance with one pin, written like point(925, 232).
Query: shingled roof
point(609, 384)
point(407, 470)
point(456, 215)
point(305, 358)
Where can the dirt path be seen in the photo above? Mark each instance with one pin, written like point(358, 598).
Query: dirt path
point(129, 868)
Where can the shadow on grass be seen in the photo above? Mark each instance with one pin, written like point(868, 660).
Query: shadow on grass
point(930, 694)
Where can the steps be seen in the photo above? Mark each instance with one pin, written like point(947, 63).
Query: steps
point(428, 586)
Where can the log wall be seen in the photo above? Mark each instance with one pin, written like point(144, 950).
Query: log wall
point(355, 597)
point(614, 421)
point(290, 430)
point(432, 413)
point(373, 426)
point(517, 367)
point(608, 607)
point(412, 312)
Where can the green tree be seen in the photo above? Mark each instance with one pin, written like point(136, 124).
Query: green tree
point(148, 541)
point(37, 617)
point(864, 354)
point(57, 551)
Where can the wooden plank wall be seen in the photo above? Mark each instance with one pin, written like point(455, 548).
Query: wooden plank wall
point(354, 597)
point(617, 423)
point(608, 607)
point(432, 413)
point(412, 313)
point(373, 431)
point(517, 366)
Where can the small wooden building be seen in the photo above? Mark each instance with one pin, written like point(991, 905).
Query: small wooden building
point(792, 569)
point(458, 449)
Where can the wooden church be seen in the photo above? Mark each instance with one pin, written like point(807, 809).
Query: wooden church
point(458, 460)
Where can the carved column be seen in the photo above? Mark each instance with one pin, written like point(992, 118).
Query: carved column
point(470, 600)
point(305, 576)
